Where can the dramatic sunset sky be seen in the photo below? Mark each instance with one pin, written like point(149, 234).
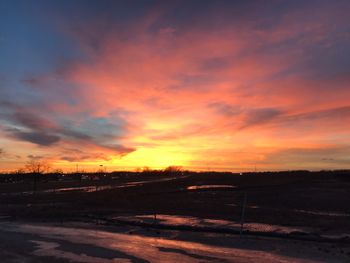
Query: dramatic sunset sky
point(219, 85)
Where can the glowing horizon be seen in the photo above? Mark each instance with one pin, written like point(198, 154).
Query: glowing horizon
point(200, 84)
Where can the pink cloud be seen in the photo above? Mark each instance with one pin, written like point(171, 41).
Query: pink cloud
point(237, 90)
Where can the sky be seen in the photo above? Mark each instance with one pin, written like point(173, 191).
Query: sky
point(207, 85)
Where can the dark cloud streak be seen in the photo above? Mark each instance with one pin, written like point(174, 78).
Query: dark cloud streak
point(36, 137)
point(39, 126)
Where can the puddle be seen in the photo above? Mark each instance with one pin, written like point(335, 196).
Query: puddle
point(172, 220)
point(214, 186)
point(92, 188)
point(92, 245)
point(320, 213)
point(87, 189)
point(52, 249)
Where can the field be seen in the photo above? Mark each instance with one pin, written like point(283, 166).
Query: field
point(299, 208)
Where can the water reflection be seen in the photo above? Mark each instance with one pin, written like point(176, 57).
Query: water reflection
point(212, 186)
point(176, 220)
point(91, 245)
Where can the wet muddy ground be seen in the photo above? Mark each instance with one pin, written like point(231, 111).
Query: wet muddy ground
point(313, 204)
point(72, 242)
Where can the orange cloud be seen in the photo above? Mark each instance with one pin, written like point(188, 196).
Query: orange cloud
point(226, 95)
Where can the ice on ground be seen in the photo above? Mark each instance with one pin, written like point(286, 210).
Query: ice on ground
point(92, 245)
point(176, 220)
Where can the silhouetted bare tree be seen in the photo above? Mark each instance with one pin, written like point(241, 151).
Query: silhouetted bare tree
point(173, 169)
point(37, 168)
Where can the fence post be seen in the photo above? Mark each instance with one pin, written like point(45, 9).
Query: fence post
point(242, 215)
